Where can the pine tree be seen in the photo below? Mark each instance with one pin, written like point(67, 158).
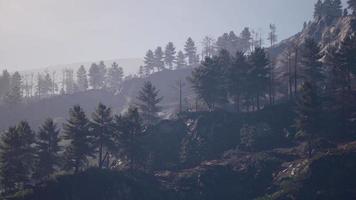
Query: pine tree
point(230, 42)
point(158, 59)
point(16, 157)
point(308, 114)
point(337, 8)
point(69, 82)
point(76, 131)
point(82, 79)
point(208, 47)
point(246, 38)
point(313, 68)
point(129, 131)
point(148, 102)
point(208, 79)
point(348, 52)
point(318, 9)
point(4, 83)
point(97, 75)
point(14, 96)
point(114, 77)
point(44, 85)
point(102, 128)
point(149, 61)
point(48, 149)
point(258, 76)
point(191, 52)
point(170, 55)
point(352, 5)
point(181, 62)
point(236, 77)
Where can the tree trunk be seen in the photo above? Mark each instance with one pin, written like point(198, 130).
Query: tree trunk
point(100, 161)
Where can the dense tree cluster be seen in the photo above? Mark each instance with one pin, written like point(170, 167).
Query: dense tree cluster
point(17, 88)
point(28, 156)
point(168, 58)
point(241, 79)
point(328, 9)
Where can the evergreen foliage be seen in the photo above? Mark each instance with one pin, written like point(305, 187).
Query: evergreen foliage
point(170, 55)
point(148, 102)
point(102, 128)
point(82, 79)
point(48, 150)
point(77, 132)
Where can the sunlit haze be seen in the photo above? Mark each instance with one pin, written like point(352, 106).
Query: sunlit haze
point(40, 33)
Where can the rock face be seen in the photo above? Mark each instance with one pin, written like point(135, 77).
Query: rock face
point(325, 33)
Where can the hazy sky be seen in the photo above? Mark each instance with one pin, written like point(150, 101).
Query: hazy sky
point(39, 33)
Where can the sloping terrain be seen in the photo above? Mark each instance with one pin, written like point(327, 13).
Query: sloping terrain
point(57, 107)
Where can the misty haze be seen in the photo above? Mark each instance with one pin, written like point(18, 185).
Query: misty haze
point(178, 100)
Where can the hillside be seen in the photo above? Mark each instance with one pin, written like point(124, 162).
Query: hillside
point(57, 107)
point(326, 34)
point(217, 166)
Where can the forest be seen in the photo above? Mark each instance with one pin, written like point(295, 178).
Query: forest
point(265, 120)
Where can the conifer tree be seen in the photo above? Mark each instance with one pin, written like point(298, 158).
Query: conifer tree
point(318, 9)
point(208, 47)
point(129, 131)
point(102, 129)
point(246, 38)
point(70, 86)
point(16, 157)
point(48, 149)
point(158, 59)
point(148, 102)
point(308, 114)
point(77, 132)
point(236, 77)
point(4, 83)
point(97, 75)
point(82, 79)
point(14, 95)
point(191, 52)
point(352, 5)
point(313, 68)
point(258, 76)
point(149, 61)
point(181, 62)
point(208, 79)
point(170, 55)
point(114, 77)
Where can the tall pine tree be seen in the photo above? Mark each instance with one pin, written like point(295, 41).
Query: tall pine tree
point(82, 79)
point(149, 61)
point(191, 52)
point(103, 133)
point(48, 150)
point(77, 132)
point(181, 62)
point(170, 55)
point(17, 157)
point(148, 102)
point(114, 77)
point(313, 71)
point(129, 131)
point(158, 59)
point(308, 114)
